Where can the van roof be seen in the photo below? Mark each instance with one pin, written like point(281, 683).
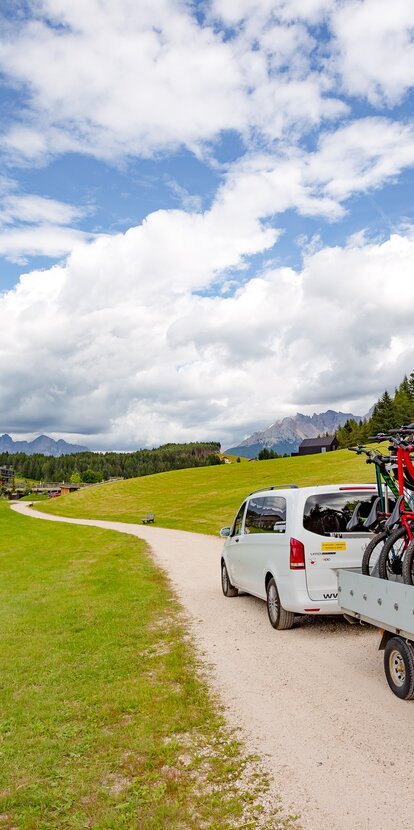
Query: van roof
point(314, 488)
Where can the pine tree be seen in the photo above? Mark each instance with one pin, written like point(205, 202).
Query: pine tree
point(403, 404)
point(411, 386)
point(383, 416)
point(388, 413)
point(348, 434)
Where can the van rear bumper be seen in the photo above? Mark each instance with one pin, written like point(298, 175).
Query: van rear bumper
point(325, 606)
point(295, 597)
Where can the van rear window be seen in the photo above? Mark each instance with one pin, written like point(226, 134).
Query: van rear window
point(328, 513)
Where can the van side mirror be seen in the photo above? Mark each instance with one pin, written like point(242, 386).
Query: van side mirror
point(225, 531)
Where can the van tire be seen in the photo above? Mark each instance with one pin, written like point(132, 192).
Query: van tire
point(228, 589)
point(278, 616)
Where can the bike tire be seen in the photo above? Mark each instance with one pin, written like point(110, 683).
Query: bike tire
point(372, 552)
point(408, 565)
point(392, 554)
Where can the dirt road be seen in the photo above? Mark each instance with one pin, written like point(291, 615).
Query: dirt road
point(313, 701)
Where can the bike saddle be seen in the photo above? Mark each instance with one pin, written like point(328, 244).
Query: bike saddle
point(396, 514)
point(355, 521)
point(372, 518)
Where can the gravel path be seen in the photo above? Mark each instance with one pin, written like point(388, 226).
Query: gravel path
point(313, 701)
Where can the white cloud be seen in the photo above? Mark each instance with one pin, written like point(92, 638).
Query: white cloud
point(356, 158)
point(16, 244)
point(375, 48)
point(116, 345)
point(32, 225)
point(127, 78)
point(132, 79)
point(119, 342)
point(37, 209)
point(360, 156)
point(233, 12)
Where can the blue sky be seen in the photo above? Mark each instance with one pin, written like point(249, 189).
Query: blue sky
point(206, 214)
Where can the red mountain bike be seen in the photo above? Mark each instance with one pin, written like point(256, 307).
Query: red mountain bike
point(400, 523)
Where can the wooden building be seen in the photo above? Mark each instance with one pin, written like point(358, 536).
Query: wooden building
point(309, 446)
point(6, 476)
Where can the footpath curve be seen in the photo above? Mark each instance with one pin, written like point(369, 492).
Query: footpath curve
point(312, 702)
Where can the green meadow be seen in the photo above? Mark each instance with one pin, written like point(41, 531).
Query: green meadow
point(105, 718)
point(205, 499)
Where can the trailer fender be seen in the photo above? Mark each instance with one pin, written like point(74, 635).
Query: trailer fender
point(386, 635)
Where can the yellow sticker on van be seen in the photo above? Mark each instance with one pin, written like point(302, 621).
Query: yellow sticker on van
point(337, 545)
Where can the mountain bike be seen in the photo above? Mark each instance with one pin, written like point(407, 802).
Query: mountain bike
point(398, 526)
point(380, 509)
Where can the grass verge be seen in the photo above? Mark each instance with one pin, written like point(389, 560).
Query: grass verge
point(106, 721)
point(205, 498)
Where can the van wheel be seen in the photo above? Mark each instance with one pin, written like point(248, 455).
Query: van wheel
point(228, 589)
point(399, 667)
point(278, 616)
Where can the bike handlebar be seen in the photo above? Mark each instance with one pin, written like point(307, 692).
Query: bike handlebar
point(388, 436)
point(372, 456)
point(403, 432)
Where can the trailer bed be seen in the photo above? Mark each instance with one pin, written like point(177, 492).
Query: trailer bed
point(387, 605)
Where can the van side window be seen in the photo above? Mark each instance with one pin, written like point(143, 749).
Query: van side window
point(273, 516)
point(254, 511)
point(329, 513)
point(266, 514)
point(237, 524)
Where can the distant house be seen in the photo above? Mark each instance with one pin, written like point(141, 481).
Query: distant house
point(6, 476)
point(65, 489)
point(309, 446)
point(52, 490)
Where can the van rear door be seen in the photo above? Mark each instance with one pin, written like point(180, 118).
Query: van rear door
point(328, 545)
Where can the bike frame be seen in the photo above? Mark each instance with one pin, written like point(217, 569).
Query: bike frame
point(404, 463)
point(381, 475)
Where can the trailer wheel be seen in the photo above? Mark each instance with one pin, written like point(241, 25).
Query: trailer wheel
point(399, 667)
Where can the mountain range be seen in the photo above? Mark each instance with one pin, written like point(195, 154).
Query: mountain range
point(284, 436)
point(43, 445)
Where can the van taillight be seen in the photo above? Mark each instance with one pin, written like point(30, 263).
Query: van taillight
point(297, 555)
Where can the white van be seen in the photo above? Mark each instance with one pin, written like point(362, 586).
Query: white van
point(285, 544)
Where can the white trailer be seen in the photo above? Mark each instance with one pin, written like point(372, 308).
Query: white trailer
point(388, 606)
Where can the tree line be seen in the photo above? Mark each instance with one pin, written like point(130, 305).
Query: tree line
point(96, 466)
point(265, 454)
point(390, 412)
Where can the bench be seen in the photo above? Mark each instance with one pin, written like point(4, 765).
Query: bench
point(148, 519)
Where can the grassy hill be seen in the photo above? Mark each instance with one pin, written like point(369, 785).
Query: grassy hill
point(205, 499)
point(105, 722)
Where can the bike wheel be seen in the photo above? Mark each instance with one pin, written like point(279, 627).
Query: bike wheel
point(372, 553)
point(391, 556)
point(408, 565)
